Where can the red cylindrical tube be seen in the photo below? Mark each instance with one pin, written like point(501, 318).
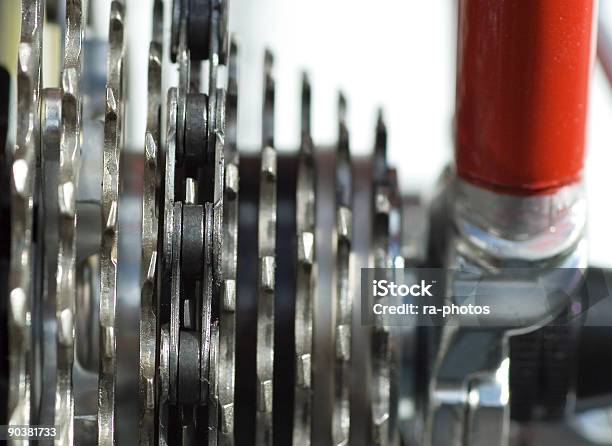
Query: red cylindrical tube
point(523, 70)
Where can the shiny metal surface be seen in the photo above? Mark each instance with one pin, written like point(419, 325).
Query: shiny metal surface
point(227, 323)
point(470, 399)
point(266, 251)
point(69, 166)
point(113, 145)
point(343, 291)
point(147, 383)
point(384, 253)
point(23, 183)
point(229, 311)
point(307, 268)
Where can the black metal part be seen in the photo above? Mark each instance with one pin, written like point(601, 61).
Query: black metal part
point(206, 302)
point(54, 11)
point(198, 28)
point(566, 361)
point(542, 372)
point(175, 301)
point(189, 368)
point(268, 102)
point(284, 305)
point(246, 320)
point(593, 357)
point(192, 241)
point(246, 305)
point(593, 384)
point(525, 353)
point(196, 128)
point(344, 175)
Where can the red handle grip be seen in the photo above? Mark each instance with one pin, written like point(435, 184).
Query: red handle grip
point(523, 73)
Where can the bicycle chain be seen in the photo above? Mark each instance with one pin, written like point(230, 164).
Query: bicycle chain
point(200, 332)
point(190, 241)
